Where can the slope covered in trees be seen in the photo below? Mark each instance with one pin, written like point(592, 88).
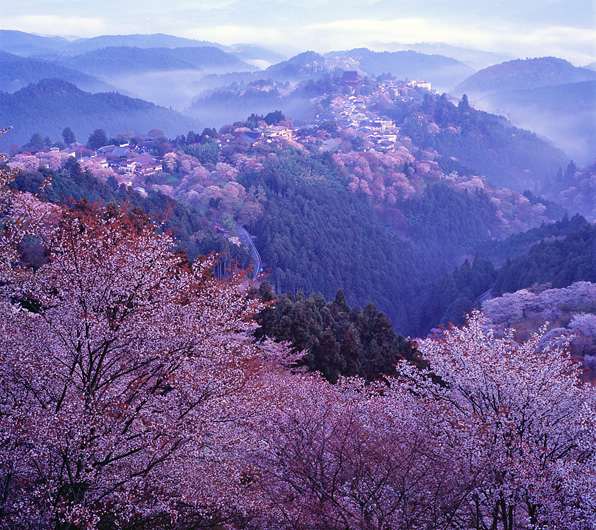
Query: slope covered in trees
point(134, 396)
point(556, 254)
point(317, 237)
point(524, 74)
point(574, 189)
point(18, 72)
point(560, 263)
point(508, 156)
point(339, 340)
point(190, 230)
point(48, 106)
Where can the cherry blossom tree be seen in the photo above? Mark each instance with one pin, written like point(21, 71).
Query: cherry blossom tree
point(358, 457)
point(21, 215)
point(127, 380)
point(521, 422)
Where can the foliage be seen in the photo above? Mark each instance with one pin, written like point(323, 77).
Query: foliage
point(68, 136)
point(498, 434)
point(449, 299)
point(518, 245)
point(338, 340)
point(519, 422)
point(191, 231)
point(47, 106)
point(120, 367)
point(315, 236)
point(559, 262)
point(97, 139)
point(133, 396)
point(508, 156)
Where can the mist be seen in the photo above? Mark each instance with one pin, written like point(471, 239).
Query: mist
point(565, 115)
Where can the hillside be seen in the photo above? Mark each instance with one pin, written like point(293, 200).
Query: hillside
point(547, 95)
point(510, 157)
point(574, 188)
point(154, 40)
point(21, 43)
point(52, 104)
point(443, 72)
point(17, 72)
point(475, 59)
point(523, 74)
point(565, 114)
point(117, 60)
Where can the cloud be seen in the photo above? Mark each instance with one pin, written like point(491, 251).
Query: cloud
point(574, 44)
point(200, 20)
point(57, 25)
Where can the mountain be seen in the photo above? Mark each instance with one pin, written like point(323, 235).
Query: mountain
point(306, 64)
point(470, 138)
point(524, 74)
point(21, 43)
point(546, 95)
point(51, 105)
point(154, 40)
point(17, 72)
point(443, 72)
point(476, 59)
point(113, 61)
point(565, 114)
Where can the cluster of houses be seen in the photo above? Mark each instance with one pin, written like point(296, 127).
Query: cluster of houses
point(122, 159)
point(349, 111)
point(353, 112)
point(267, 134)
point(128, 160)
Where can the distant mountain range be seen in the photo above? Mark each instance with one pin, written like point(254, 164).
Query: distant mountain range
point(22, 43)
point(524, 74)
point(548, 95)
point(117, 60)
point(17, 72)
point(475, 59)
point(51, 105)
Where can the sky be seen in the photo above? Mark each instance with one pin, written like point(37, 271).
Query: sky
point(521, 28)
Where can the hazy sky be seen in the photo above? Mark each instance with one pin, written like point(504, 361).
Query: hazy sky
point(524, 28)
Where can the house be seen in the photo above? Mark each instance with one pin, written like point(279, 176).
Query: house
point(350, 78)
point(106, 149)
point(279, 132)
point(146, 165)
point(122, 152)
point(420, 84)
point(69, 152)
point(128, 166)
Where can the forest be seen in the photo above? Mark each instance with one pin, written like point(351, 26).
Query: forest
point(135, 395)
point(350, 303)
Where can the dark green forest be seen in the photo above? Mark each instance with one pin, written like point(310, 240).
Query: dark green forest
point(317, 237)
point(339, 340)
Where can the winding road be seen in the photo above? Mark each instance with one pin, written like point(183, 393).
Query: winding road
point(247, 240)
